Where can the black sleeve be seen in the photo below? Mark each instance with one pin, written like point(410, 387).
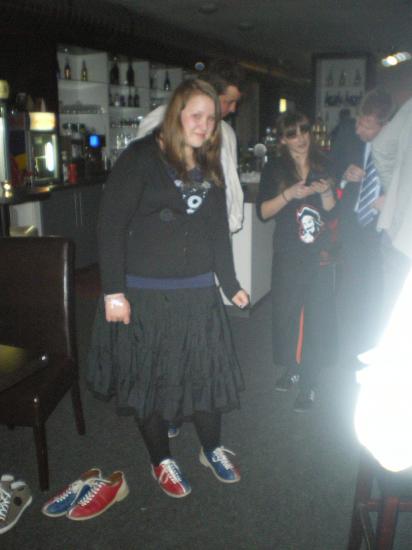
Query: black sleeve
point(268, 187)
point(346, 149)
point(223, 253)
point(119, 203)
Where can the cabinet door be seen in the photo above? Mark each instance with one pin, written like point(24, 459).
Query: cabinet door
point(72, 213)
point(59, 214)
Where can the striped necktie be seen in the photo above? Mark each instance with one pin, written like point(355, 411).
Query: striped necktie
point(369, 192)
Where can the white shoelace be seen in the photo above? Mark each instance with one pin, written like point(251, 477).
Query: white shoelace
point(95, 486)
point(73, 488)
point(5, 499)
point(171, 471)
point(218, 455)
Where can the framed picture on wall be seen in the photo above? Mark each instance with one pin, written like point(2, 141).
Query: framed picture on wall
point(340, 84)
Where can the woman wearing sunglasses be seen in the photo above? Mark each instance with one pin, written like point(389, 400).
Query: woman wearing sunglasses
point(297, 190)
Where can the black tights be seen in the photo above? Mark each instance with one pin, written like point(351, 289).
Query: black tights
point(154, 433)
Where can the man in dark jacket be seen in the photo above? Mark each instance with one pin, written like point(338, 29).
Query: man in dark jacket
point(361, 278)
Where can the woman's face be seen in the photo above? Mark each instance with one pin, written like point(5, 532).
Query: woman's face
point(198, 120)
point(297, 138)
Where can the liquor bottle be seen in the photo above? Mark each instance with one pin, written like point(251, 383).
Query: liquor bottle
point(67, 70)
point(130, 75)
point(136, 100)
point(130, 99)
point(166, 84)
point(329, 78)
point(114, 73)
point(342, 78)
point(358, 79)
point(83, 74)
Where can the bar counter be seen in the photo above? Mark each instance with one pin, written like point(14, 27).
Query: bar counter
point(70, 211)
point(253, 250)
point(16, 196)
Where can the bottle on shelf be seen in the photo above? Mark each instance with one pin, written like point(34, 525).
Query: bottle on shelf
point(342, 78)
point(84, 74)
point(136, 100)
point(130, 74)
point(329, 78)
point(65, 166)
point(358, 79)
point(166, 84)
point(67, 70)
point(130, 102)
point(114, 73)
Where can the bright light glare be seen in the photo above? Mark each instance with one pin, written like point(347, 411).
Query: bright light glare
point(49, 156)
point(394, 59)
point(383, 415)
point(283, 105)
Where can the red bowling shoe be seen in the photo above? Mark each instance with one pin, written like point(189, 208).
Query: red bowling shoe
point(102, 494)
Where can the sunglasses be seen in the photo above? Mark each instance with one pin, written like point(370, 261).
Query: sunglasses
point(293, 132)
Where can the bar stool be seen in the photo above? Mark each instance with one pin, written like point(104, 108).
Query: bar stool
point(394, 496)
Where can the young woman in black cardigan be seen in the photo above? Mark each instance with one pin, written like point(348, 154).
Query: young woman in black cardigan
point(161, 343)
point(297, 190)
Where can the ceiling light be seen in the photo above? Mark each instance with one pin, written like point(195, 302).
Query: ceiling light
point(395, 59)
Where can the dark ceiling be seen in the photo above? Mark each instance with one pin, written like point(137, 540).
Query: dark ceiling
point(283, 33)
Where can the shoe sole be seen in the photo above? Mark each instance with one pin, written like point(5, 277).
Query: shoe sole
point(204, 461)
point(59, 515)
point(16, 519)
point(173, 495)
point(121, 495)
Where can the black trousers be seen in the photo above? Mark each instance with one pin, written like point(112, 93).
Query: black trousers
point(360, 291)
point(302, 290)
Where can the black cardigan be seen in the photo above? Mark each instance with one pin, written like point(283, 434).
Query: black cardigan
point(143, 227)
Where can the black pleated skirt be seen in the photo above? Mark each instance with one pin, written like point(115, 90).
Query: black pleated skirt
point(176, 357)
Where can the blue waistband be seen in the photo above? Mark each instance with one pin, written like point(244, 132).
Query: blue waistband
point(198, 281)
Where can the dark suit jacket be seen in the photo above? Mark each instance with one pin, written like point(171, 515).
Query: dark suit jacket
point(350, 149)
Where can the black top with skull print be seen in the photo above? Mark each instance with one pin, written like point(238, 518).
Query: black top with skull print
point(302, 227)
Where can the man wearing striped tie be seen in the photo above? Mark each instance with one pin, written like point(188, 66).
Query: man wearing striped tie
point(361, 277)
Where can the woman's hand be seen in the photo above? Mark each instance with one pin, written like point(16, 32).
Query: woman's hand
point(322, 186)
point(117, 308)
point(241, 299)
point(298, 191)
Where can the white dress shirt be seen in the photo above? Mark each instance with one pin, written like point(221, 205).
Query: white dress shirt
point(392, 154)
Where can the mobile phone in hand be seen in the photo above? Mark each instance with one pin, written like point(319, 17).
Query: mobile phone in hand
point(314, 176)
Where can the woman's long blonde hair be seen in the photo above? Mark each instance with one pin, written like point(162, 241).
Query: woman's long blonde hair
point(207, 157)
